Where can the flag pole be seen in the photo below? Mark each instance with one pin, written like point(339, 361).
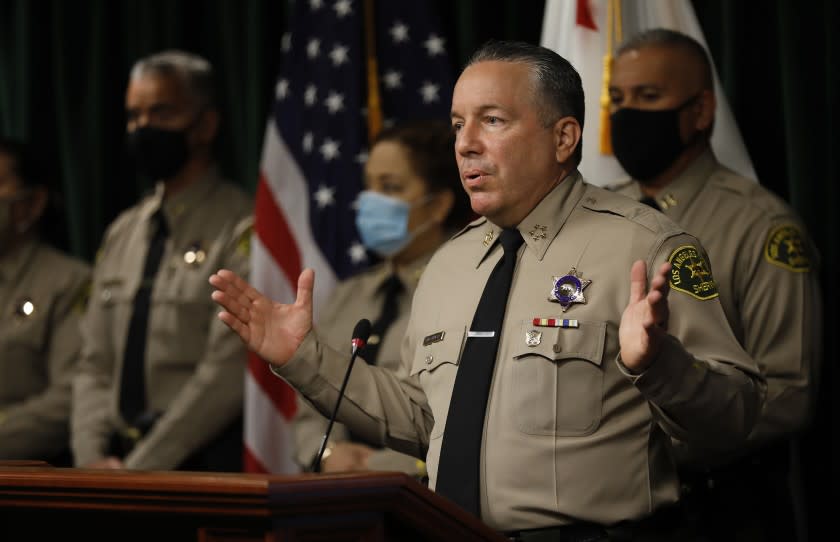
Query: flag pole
point(613, 36)
point(374, 102)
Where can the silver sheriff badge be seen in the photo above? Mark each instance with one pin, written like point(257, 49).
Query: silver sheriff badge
point(568, 289)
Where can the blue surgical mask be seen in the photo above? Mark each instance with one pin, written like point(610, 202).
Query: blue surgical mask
point(382, 222)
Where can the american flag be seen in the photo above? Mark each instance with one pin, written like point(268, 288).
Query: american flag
point(314, 149)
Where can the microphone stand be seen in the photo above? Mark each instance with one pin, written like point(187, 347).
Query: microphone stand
point(360, 335)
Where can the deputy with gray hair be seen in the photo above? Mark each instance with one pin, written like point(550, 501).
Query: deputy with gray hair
point(160, 383)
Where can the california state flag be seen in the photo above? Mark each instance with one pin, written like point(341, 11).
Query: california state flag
point(577, 31)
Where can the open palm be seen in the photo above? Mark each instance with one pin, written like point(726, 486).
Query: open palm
point(272, 330)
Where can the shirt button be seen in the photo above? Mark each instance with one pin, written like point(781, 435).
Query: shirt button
point(106, 295)
point(429, 358)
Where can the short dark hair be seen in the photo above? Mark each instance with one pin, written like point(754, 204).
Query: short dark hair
point(430, 145)
point(195, 72)
point(671, 39)
point(25, 164)
point(558, 88)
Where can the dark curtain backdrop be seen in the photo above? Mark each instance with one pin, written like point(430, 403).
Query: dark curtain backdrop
point(64, 65)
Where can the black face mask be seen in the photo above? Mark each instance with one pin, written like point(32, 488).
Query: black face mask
point(158, 153)
point(647, 142)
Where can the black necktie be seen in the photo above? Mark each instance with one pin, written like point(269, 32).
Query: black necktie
point(132, 383)
point(649, 201)
point(391, 290)
point(460, 454)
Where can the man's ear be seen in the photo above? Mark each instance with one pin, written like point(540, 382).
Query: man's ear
point(567, 135)
point(706, 103)
point(208, 126)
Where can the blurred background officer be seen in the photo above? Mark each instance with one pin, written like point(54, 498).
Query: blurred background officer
point(663, 106)
point(413, 203)
point(42, 296)
point(160, 382)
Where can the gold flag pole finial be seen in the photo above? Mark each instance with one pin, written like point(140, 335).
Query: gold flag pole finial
point(374, 102)
point(613, 36)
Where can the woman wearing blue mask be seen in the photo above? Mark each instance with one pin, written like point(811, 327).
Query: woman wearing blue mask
point(413, 202)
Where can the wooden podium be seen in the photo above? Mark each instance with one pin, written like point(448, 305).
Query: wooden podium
point(38, 502)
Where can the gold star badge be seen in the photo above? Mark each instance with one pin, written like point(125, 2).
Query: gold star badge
point(539, 232)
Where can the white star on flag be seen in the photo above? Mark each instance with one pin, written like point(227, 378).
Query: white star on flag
point(362, 157)
point(329, 149)
point(307, 142)
point(357, 252)
point(281, 90)
point(324, 196)
point(339, 55)
point(310, 95)
point(434, 45)
point(429, 91)
point(313, 48)
point(392, 79)
point(315, 5)
point(334, 102)
point(342, 8)
point(399, 32)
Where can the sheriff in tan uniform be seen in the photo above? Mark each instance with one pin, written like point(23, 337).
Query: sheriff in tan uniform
point(765, 269)
point(194, 369)
point(600, 359)
point(42, 298)
point(361, 295)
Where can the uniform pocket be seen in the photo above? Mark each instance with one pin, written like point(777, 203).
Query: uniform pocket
point(558, 379)
point(435, 363)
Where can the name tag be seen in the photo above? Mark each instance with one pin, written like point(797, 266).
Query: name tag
point(433, 338)
point(481, 334)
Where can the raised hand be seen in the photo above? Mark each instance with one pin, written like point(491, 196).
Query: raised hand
point(644, 322)
point(272, 330)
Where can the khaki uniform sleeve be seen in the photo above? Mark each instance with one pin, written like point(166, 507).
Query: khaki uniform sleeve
point(780, 311)
point(90, 424)
point(38, 427)
point(380, 407)
point(212, 398)
point(703, 387)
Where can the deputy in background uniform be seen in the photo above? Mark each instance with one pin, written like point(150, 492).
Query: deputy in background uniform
point(553, 344)
point(765, 264)
point(160, 382)
point(42, 297)
point(412, 204)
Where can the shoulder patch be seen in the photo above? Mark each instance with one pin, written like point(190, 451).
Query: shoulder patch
point(80, 299)
point(243, 244)
point(786, 248)
point(691, 273)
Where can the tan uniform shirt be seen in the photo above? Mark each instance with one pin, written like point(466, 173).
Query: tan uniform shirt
point(569, 435)
point(766, 270)
point(42, 296)
point(359, 297)
point(194, 366)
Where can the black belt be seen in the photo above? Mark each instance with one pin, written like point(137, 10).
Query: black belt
point(664, 520)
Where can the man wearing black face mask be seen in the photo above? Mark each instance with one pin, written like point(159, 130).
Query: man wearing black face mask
point(663, 107)
point(160, 382)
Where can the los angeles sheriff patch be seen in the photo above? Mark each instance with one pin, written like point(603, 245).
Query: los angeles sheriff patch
point(785, 247)
point(691, 274)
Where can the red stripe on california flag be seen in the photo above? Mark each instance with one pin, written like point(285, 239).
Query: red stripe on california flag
point(251, 463)
point(281, 394)
point(271, 226)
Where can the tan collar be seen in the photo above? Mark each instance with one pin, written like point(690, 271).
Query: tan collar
point(180, 205)
point(543, 223)
point(12, 265)
point(675, 198)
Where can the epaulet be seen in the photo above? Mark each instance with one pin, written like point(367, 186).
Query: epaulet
point(471, 226)
point(604, 201)
point(768, 203)
point(621, 184)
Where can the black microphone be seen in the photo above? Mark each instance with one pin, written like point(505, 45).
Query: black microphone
point(360, 336)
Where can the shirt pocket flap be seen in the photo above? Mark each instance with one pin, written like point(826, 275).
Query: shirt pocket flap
point(438, 348)
point(585, 340)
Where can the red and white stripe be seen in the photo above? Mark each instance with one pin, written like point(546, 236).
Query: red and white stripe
point(282, 246)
